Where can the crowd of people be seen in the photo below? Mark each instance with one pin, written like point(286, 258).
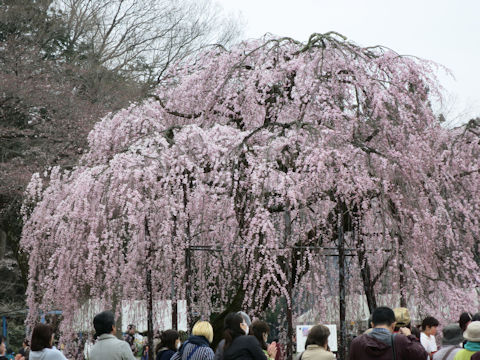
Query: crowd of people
point(391, 336)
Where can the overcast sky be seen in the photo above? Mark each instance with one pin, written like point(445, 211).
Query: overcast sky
point(446, 31)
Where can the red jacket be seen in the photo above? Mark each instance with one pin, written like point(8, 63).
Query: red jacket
point(367, 347)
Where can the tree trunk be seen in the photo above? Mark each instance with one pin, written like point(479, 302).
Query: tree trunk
point(174, 296)
point(174, 311)
point(118, 320)
point(234, 306)
point(3, 243)
point(365, 272)
point(289, 347)
point(401, 269)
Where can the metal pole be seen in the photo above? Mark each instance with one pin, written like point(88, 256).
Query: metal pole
point(174, 297)
point(289, 260)
point(341, 284)
point(188, 286)
point(149, 297)
point(150, 314)
point(289, 355)
point(174, 307)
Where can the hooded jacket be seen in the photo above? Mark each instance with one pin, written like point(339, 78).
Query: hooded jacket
point(378, 345)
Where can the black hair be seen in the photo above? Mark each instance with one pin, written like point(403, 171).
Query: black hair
point(232, 328)
point(383, 316)
point(168, 339)
point(41, 337)
point(465, 318)
point(415, 332)
point(397, 328)
point(259, 328)
point(103, 323)
point(318, 335)
point(429, 321)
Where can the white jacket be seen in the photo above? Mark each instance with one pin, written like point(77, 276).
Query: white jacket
point(47, 354)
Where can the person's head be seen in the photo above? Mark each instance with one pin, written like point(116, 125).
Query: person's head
point(465, 319)
point(402, 318)
point(183, 335)
point(203, 328)
point(42, 337)
point(131, 329)
point(473, 332)
point(234, 326)
point(415, 332)
point(383, 317)
point(25, 343)
point(318, 335)
point(476, 317)
point(452, 335)
point(245, 317)
point(260, 330)
point(170, 339)
point(429, 325)
point(104, 323)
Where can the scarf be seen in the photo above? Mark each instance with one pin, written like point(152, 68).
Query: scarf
point(472, 346)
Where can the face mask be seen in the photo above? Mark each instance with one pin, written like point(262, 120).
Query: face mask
point(246, 330)
point(178, 345)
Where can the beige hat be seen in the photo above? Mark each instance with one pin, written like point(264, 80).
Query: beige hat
point(402, 316)
point(473, 332)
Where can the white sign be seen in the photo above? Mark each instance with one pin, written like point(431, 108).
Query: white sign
point(302, 333)
point(135, 312)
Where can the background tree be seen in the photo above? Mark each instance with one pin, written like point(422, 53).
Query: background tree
point(141, 39)
point(64, 65)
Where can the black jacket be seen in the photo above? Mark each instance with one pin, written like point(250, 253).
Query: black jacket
point(165, 354)
point(244, 348)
